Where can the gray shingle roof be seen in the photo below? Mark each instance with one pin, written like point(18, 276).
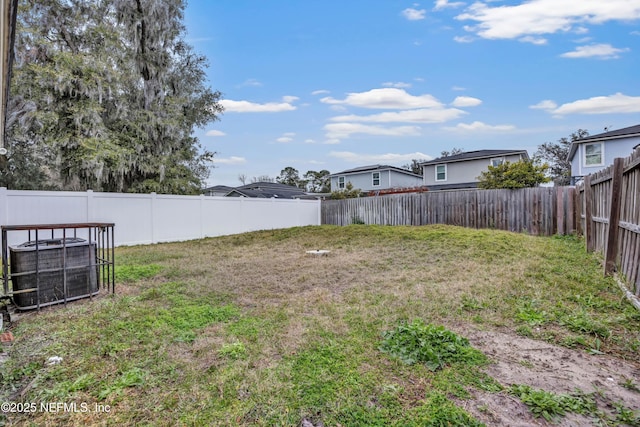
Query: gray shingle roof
point(618, 133)
point(374, 168)
point(472, 155)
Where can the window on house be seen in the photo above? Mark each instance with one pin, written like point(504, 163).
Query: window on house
point(593, 155)
point(376, 178)
point(341, 182)
point(497, 161)
point(441, 172)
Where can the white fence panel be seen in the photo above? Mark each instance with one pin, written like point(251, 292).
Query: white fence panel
point(152, 218)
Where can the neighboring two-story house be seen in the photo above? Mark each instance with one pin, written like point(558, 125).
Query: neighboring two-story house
point(462, 170)
point(593, 153)
point(375, 177)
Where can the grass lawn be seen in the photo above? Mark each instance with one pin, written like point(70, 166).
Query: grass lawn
point(250, 330)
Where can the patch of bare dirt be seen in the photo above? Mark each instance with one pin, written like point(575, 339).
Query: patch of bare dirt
point(519, 360)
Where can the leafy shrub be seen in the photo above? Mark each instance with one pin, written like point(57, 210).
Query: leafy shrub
point(432, 345)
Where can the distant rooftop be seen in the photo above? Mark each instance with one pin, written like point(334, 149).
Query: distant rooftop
point(374, 168)
point(471, 155)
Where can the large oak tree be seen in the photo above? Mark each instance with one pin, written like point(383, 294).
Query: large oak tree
point(106, 95)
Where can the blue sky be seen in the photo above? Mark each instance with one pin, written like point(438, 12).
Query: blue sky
point(325, 84)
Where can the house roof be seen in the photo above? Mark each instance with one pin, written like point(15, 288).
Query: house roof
point(372, 168)
point(628, 132)
point(473, 155)
point(218, 189)
point(264, 190)
point(268, 190)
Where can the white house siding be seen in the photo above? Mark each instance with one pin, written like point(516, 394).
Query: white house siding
point(464, 171)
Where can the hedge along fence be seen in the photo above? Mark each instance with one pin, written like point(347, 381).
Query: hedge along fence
point(609, 203)
point(538, 211)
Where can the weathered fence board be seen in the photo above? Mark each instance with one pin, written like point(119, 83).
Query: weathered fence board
point(609, 204)
point(539, 211)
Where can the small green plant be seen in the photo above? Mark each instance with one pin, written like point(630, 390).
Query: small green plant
point(432, 345)
point(550, 405)
point(630, 384)
point(581, 322)
point(625, 416)
point(132, 378)
point(355, 219)
point(529, 313)
point(235, 350)
point(471, 304)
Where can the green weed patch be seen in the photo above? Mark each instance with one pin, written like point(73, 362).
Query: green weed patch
point(432, 345)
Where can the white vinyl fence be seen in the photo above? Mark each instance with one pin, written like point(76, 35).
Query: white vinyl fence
point(153, 218)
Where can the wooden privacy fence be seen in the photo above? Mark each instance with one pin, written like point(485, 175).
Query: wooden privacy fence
point(538, 211)
point(609, 201)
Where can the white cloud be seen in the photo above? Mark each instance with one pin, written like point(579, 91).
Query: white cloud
point(251, 82)
point(400, 85)
point(231, 106)
point(214, 132)
point(320, 92)
point(337, 131)
point(480, 127)
point(387, 98)
point(286, 137)
point(466, 101)
point(233, 160)
point(422, 115)
point(612, 104)
point(442, 4)
point(309, 141)
point(414, 14)
point(458, 88)
point(289, 99)
point(534, 40)
point(536, 17)
point(388, 158)
point(599, 51)
point(463, 39)
point(547, 104)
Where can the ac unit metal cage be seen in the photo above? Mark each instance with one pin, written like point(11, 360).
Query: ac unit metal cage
point(58, 263)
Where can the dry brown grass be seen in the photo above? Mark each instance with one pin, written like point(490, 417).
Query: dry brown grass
point(294, 313)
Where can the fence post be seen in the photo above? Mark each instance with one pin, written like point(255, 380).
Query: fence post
point(577, 210)
point(588, 219)
point(152, 217)
point(614, 217)
point(202, 196)
point(4, 206)
point(559, 222)
point(90, 217)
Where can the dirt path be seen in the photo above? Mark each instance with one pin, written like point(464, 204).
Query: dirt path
point(519, 360)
